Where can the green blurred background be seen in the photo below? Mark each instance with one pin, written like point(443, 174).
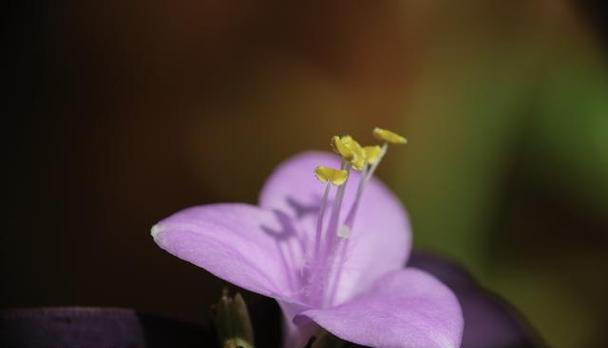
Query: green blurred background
point(122, 112)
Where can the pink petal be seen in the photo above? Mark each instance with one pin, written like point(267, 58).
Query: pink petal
point(295, 335)
point(407, 308)
point(380, 241)
point(253, 248)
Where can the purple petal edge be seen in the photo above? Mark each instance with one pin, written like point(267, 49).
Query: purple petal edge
point(408, 308)
point(239, 243)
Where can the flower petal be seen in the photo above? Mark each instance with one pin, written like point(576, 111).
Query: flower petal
point(295, 334)
point(253, 248)
point(380, 241)
point(407, 308)
point(491, 322)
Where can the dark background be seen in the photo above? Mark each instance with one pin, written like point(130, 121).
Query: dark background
point(119, 113)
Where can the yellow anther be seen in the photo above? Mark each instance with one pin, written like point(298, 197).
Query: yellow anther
point(350, 151)
point(341, 149)
point(336, 177)
point(358, 161)
point(388, 136)
point(372, 153)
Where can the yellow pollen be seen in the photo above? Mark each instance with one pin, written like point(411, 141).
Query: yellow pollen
point(336, 177)
point(372, 153)
point(350, 150)
point(358, 161)
point(341, 149)
point(388, 136)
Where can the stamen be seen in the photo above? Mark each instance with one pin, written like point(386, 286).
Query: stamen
point(325, 249)
point(320, 217)
point(350, 218)
point(374, 165)
point(350, 151)
point(335, 210)
point(333, 252)
point(341, 149)
point(388, 136)
point(332, 176)
point(333, 283)
point(372, 153)
point(331, 249)
point(358, 160)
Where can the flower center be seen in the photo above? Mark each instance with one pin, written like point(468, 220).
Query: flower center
point(329, 253)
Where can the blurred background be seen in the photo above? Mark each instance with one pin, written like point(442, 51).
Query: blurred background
point(118, 113)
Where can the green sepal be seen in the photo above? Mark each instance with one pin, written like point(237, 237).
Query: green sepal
point(232, 322)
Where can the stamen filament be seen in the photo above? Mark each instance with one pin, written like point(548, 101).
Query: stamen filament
point(320, 217)
point(333, 285)
point(350, 218)
point(332, 228)
point(323, 259)
point(366, 175)
point(331, 244)
point(340, 254)
point(377, 162)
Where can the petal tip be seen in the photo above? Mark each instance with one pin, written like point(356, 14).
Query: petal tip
point(156, 229)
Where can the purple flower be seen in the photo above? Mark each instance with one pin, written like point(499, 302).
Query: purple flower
point(329, 270)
